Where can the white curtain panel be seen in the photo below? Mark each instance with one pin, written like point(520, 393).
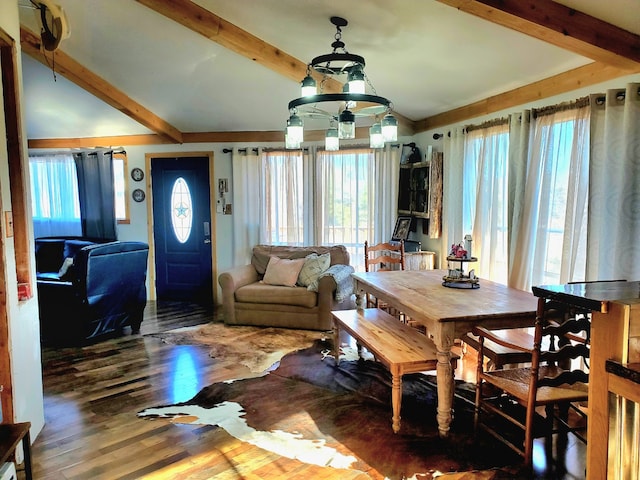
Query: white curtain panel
point(614, 198)
point(486, 151)
point(284, 201)
point(519, 133)
point(550, 237)
point(385, 182)
point(452, 224)
point(248, 206)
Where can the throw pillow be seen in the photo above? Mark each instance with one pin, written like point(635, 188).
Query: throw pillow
point(282, 271)
point(314, 265)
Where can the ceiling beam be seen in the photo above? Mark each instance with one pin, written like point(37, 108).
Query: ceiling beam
point(561, 26)
point(226, 34)
point(362, 133)
point(584, 76)
point(97, 86)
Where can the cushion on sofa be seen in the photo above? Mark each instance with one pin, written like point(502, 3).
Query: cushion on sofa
point(262, 253)
point(71, 247)
point(283, 271)
point(314, 265)
point(272, 294)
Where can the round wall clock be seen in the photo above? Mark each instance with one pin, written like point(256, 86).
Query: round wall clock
point(138, 195)
point(137, 174)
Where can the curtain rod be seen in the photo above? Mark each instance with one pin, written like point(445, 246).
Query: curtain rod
point(620, 96)
point(255, 150)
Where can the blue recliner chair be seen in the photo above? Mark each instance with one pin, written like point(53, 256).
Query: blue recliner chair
point(102, 291)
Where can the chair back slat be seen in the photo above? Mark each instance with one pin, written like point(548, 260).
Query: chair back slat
point(574, 325)
point(565, 378)
point(377, 256)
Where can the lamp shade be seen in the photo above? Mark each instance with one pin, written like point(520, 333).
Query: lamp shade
point(389, 128)
point(346, 125)
point(331, 141)
point(375, 136)
point(308, 86)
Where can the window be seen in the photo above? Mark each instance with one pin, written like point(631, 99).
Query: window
point(562, 167)
point(54, 196)
point(54, 193)
point(347, 200)
point(485, 199)
point(547, 203)
point(284, 205)
point(181, 210)
point(326, 200)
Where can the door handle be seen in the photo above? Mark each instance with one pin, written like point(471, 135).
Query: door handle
point(207, 232)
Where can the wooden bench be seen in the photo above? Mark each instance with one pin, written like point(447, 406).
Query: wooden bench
point(399, 347)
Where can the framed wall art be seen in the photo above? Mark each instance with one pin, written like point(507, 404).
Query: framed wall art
point(403, 226)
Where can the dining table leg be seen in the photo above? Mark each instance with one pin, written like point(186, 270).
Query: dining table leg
point(443, 338)
point(360, 296)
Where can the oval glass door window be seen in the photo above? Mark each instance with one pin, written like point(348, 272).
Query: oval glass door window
point(181, 210)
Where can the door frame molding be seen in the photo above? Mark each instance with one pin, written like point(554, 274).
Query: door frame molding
point(212, 207)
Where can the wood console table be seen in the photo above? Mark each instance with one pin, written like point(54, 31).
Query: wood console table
point(615, 335)
point(11, 434)
point(448, 313)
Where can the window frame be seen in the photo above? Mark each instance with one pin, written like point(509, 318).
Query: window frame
point(122, 156)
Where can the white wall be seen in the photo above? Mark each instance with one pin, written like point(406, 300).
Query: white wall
point(24, 327)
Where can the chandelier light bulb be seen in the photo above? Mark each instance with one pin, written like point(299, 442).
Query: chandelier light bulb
point(308, 86)
point(295, 129)
point(349, 103)
point(331, 140)
point(355, 80)
point(389, 128)
point(289, 143)
point(375, 136)
point(346, 125)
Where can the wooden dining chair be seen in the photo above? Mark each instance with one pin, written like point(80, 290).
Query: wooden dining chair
point(378, 258)
point(556, 379)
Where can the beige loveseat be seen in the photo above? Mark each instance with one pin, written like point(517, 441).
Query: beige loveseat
point(246, 300)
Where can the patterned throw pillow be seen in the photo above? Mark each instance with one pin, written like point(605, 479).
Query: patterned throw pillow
point(314, 265)
point(282, 271)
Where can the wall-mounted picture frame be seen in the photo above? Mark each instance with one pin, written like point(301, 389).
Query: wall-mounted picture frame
point(403, 226)
point(138, 195)
point(137, 174)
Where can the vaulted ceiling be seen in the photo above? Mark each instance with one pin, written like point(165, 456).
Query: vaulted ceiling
point(177, 71)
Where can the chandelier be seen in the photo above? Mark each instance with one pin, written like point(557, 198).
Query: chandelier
point(340, 110)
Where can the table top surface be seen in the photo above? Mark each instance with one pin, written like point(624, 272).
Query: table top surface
point(593, 296)
point(420, 293)
point(10, 435)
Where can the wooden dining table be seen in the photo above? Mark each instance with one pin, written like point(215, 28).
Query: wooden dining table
point(447, 313)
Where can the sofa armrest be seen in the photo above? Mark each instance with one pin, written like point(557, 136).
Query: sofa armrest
point(326, 291)
point(229, 282)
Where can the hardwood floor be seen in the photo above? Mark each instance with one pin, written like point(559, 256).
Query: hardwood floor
point(92, 395)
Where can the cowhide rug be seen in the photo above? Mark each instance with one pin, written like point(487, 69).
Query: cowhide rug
point(258, 348)
point(340, 417)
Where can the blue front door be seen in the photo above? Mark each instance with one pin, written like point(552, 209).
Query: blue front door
point(182, 229)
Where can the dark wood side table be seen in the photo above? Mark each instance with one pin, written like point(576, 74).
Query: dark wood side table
point(10, 435)
point(615, 335)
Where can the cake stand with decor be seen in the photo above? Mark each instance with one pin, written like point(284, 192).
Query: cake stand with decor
point(456, 276)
